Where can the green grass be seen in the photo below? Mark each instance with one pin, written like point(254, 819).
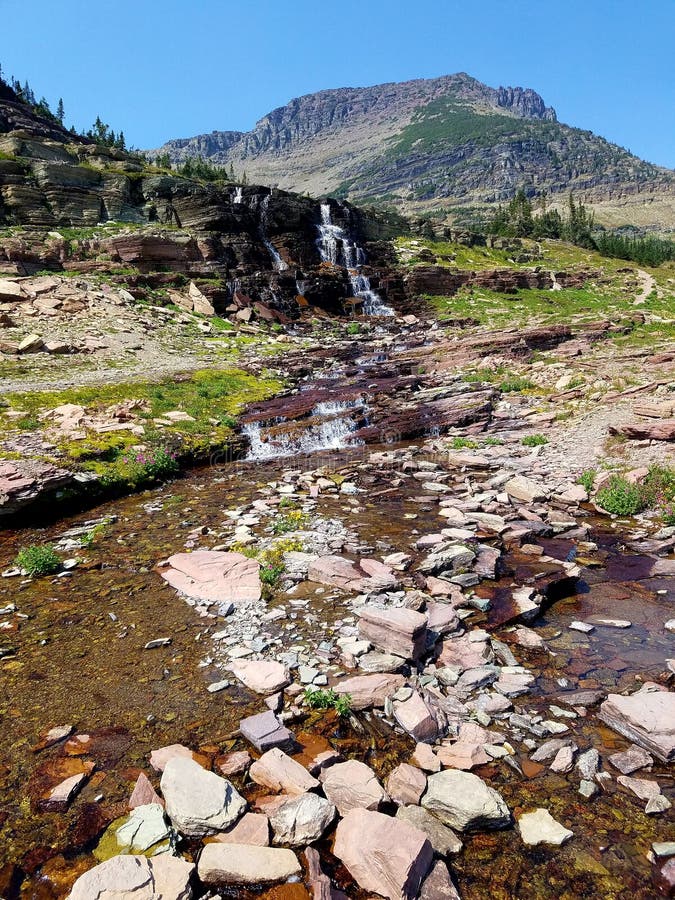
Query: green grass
point(213, 398)
point(516, 385)
point(38, 560)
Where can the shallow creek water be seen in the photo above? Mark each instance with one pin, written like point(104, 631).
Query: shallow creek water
point(79, 659)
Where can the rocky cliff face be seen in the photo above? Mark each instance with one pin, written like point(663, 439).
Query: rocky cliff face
point(424, 144)
point(116, 211)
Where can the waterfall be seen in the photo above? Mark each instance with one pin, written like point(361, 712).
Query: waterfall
point(238, 195)
point(277, 262)
point(336, 247)
point(333, 433)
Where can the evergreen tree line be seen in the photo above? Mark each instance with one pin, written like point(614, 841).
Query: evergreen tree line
point(99, 133)
point(523, 218)
point(198, 167)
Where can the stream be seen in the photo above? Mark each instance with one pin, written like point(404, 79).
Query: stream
point(73, 653)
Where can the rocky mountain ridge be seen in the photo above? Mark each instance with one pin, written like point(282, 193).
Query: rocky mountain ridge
point(435, 144)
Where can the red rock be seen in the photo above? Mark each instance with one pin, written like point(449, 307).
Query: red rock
point(57, 781)
point(462, 755)
point(397, 630)
point(367, 691)
point(53, 736)
point(368, 575)
point(212, 575)
point(465, 653)
point(260, 675)
point(352, 785)
point(252, 828)
point(384, 855)
point(438, 884)
point(438, 587)
point(663, 430)
point(442, 618)
point(159, 758)
point(665, 878)
point(415, 717)
point(425, 758)
point(234, 763)
point(278, 772)
point(646, 717)
point(144, 793)
point(406, 784)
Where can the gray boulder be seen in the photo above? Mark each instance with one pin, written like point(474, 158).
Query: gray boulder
point(464, 802)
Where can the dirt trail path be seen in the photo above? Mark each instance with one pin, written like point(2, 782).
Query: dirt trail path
point(647, 285)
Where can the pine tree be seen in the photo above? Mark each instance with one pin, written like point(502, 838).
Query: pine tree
point(60, 111)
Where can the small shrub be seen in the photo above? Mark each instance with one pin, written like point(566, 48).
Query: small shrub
point(515, 385)
point(587, 480)
point(37, 560)
point(353, 328)
point(90, 538)
point(493, 442)
point(534, 440)
point(150, 465)
point(28, 423)
point(460, 443)
point(316, 698)
point(293, 520)
point(270, 574)
point(620, 497)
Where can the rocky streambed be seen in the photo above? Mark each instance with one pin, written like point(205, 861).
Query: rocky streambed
point(495, 657)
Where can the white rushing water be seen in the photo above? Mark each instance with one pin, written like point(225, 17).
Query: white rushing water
point(277, 262)
point(336, 247)
point(238, 195)
point(334, 433)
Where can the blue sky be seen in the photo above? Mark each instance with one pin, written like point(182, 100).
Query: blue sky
point(174, 69)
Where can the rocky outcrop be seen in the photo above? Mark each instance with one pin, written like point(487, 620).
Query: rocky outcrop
point(445, 282)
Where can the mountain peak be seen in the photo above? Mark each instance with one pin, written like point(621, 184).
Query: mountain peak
point(427, 144)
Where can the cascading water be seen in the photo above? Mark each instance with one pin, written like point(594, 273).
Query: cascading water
point(238, 195)
point(334, 432)
point(277, 262)
point(336, 247)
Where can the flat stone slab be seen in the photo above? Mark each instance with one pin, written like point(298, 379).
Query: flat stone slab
point(367, 575)
point(384, 855)
point(631, 760)
point(352, 785)
point(279, 772)
point(261, 675)
point(367, 691)
point(246, 864)
point(265, 731)
point(213, 576)
point(124, 877)
point(647, 718)
point(539, 827)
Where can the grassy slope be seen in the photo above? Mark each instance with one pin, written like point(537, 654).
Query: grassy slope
point(609, 295)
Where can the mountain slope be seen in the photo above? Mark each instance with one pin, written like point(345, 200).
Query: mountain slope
point(434, 144)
